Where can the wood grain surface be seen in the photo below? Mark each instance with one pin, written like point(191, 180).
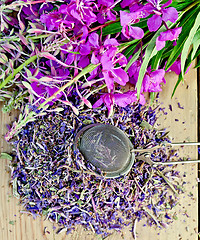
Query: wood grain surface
point(182, 124)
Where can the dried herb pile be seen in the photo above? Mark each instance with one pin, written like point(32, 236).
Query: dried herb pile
point(53, 180)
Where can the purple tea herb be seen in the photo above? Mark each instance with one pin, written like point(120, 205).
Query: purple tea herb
point(53, 180)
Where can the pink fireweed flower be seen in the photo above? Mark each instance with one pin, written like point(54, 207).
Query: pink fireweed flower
point(74, 15)
point(105, 12)
point(169, 35)
point(120, 99)
point(160, 14)
point(110, 73)
point(133, 71)
point(152, 80)
point(176, 67)
point(126, 19)
point(134, 5)
point(82, 10)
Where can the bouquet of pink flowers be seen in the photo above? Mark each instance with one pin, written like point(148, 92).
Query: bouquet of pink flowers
point(55, 51)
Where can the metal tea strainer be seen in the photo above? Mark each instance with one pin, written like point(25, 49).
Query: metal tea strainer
point(106, 147)
point(109, 149)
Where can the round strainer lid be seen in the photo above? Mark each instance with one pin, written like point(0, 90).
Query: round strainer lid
point(107, 148)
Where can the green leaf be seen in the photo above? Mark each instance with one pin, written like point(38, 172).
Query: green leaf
point(153, 96)
point(112, 29)
point(196, 43)
point(129, 51)
point(149, 53)
point(197, 53)
point(156, 59)
point(187, 21)
point(188, 42)
point(187, 64)
point(133, 59)
point(198, 65)
point(181, 5)
point(5, 156)
point(180, 78)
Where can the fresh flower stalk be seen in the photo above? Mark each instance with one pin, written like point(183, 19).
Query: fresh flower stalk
point(129, 42)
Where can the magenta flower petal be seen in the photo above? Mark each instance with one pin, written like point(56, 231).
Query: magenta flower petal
point(38, 88)
point(158, 75)
point(176, 32)
point(133, 71)
point(127, 98)
point(122, 99)
point(109, 79)
point(170, 14)
point(121, 59)
point(126, 3)
point(152, 80)
point(94, 58)
point(98, 103)
point(154, 2)
point(111, 16)
point(125, 18)
point(167, 4)
point(106, 63)
point(85, 49)
point(154, 23)
point(108, 100)
point(175, 67)
point(142, 99)
point(167, 35)
point(171, 34)
point(52, 20)
point(70, 58)
point(111, 42)
point(159, 44)
point(125, 31)
point(93, 39)
point(145, 83)
point(120, 76)
point(45, 92)
point(106, 3)
point(136, 32)
point(101, 18)
point(52, 90)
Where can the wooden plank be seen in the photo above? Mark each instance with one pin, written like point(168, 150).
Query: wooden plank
point(182, 124)
point(14, 225)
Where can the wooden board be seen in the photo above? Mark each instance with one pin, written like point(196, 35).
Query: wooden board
point(182, 124)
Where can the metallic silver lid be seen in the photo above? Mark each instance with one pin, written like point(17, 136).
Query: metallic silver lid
point(106, 147)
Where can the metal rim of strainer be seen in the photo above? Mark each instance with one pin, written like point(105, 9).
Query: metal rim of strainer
point(128, 163)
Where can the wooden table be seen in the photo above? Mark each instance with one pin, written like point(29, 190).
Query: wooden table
point(182, 124)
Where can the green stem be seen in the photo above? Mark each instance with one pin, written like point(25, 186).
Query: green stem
point(15, 71)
